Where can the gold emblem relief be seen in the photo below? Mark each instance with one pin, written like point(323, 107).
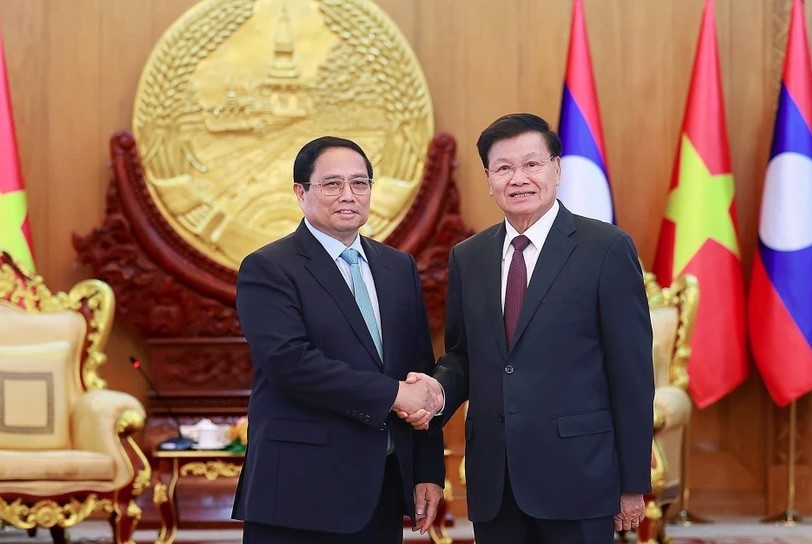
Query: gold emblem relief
point(236, 87)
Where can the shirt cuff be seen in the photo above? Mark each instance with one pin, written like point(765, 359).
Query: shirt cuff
point(442, 409)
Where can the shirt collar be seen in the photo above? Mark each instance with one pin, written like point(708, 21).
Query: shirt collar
point(333, 247)
point(537, 233)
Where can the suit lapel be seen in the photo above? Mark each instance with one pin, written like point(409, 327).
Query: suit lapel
point(557, 249)
point(387, 305)
point(325, 271)
point(492, 285)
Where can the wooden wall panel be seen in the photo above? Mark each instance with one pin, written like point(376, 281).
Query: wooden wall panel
point(74, 66)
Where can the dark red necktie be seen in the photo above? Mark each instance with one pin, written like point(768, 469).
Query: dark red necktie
point(516, 287)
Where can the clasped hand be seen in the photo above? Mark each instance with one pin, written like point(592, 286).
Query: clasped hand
point(419, 399)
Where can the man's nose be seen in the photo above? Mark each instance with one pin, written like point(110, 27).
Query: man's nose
point(519, 177)
point(346, 192)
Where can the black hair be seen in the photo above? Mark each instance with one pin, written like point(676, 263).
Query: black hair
point(306, 159)
point(512, 125)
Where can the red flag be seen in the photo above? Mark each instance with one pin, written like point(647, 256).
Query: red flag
point(15, 231)
point(699, 231)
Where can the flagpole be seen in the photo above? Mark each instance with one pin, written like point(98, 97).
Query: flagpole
point(685, 517)
point(789, 517)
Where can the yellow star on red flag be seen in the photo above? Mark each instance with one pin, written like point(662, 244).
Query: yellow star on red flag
point(699, 206)
point(13, 211)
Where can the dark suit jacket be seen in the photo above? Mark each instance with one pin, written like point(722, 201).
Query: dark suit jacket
point(569, 405)
point(320, 405)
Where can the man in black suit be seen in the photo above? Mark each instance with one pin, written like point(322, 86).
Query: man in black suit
point(334, 322)
point(549, 339)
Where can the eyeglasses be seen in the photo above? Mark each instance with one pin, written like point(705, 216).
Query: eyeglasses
point(334, 187)
point(507, 171)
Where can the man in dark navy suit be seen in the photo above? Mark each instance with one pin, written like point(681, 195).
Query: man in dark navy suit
point(548, 336)
point(335, 322)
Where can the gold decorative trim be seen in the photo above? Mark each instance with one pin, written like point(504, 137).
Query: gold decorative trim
point(27, 290)
point(211, 470)
point(657, 470)
point(659, 420)
point(128, 422)
point(133, 510)
point(683, 294)
point(160, 494)
point(441, 536)
point(47, 513)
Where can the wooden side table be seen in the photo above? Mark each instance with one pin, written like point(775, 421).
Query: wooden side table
point(174, 465)
point(213, 464)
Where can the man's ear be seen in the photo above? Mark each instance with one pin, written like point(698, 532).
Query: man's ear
point(488, 180)
point(299, 191)
point(557, 170)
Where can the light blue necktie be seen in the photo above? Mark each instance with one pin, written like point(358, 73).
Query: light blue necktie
point(359, 288)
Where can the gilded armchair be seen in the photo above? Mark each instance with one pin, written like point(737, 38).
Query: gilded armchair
point(673, 313)
point(66, 445)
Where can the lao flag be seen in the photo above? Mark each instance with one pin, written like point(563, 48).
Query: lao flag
point(780, 309)
point(585, 188)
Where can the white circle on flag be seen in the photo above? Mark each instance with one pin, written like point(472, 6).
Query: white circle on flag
point(786, 221)
point(584, 188)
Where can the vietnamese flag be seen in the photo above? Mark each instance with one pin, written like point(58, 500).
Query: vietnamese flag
point(699, 230)
point(15, 231)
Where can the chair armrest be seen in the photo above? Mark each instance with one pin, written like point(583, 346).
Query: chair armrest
point(672, 408)
point(102, 421)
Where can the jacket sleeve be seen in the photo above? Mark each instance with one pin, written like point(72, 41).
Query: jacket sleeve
point(627, 344)
point(270, 312)
point(452, 369)
point(428, 446)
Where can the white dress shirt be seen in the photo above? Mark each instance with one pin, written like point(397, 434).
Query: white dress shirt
point(537, 233)
point(334, 249)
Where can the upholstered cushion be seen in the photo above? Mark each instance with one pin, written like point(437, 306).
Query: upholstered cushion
point(55, 465)
point(664, 322)
point(34, 411)
point(20, 327)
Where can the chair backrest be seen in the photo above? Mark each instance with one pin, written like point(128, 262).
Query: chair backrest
point(673, 313)
point(51, 346)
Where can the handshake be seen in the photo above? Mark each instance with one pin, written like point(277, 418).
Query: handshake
point(420, 397)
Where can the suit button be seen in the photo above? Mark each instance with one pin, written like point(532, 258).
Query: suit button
point(509, 369)
point(500, 418)
point(366, 419)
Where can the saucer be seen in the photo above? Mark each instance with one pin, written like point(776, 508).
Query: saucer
point(209, 448)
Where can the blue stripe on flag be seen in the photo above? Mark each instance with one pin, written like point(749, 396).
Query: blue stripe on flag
point(789, 271)
point(576, 138)
point(791, 133)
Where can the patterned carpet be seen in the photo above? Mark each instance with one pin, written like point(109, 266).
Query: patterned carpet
point(731, 531)
point(744, 540)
